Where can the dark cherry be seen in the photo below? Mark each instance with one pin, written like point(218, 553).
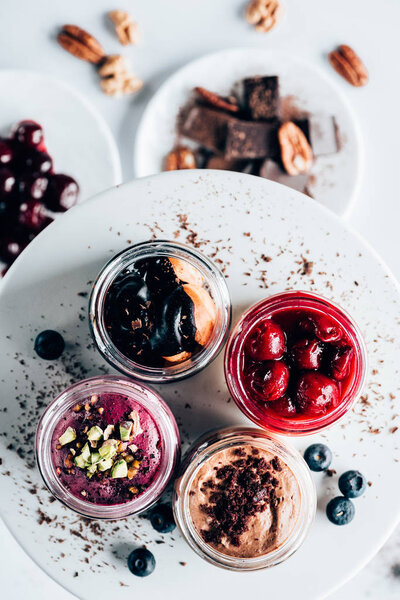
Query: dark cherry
point(7, 182)
point(269, 380)
point(307, 354)
point(284, 407)
point(316, 394)
point(11, 247)
point(32, 186)
point(266, 341)
point(63, 193)
point(29, 133)
point(32, 215)
point(322, 326)
point(340, 361)
point(6, 152)
point(37, 162)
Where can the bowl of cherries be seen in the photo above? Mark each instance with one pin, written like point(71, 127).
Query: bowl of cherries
point(31, 193)
point(295, 363)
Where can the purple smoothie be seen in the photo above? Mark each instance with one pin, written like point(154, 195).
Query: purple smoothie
point(101, 488)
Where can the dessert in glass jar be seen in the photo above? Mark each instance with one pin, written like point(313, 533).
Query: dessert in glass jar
point(295, 363)
point(160, 311)
point(244, 500)
point(107, 447)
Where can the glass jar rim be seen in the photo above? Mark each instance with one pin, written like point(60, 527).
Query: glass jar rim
point(249, 319)
point(151, 402)
point(216, 441)
point(219, 291)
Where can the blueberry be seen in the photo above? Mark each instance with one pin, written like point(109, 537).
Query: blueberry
point(318, 457)
point(340, 510)
point(49, 344)
point(352, 484)
point(162, 518)
point(141, 562)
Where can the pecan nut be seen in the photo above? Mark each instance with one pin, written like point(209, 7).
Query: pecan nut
point(180, 158)
point(296, 153)
point(349, 65)
point(264, 14)
point(125, 27)
point(230, 104)
point(81, 44)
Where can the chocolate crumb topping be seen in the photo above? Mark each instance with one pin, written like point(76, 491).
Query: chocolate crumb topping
point(240, 490)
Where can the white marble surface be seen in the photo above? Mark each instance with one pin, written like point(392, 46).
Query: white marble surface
point(174, 32)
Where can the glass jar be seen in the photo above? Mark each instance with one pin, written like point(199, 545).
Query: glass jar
point(208, 447)
point(258, 412)
point(214, 284)
point(80, 392)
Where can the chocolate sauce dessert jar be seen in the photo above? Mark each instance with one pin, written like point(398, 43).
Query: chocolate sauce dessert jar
point(159, 311)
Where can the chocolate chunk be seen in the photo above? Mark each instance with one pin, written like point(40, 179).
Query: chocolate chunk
point(261, 97)
point(321, 132)
point(226, 164)
point(247, 139)
point(206, 126)
point(272, 171)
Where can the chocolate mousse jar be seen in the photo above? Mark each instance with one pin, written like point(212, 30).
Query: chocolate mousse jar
point(295, 363)
point(244, 500)
point(107, 447)
point(160, 311)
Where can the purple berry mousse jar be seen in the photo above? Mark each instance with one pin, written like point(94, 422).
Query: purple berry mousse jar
point(100, 422)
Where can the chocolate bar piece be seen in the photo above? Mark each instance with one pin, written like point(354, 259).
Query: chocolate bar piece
point(225, 164)
point(246, 139)
point(320, 130)
point(206, 126)
point(272, 171)
point(261, 97)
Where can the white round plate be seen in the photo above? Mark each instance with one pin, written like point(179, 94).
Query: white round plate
point(238, 220)
point(76, 135)
point(334, 179)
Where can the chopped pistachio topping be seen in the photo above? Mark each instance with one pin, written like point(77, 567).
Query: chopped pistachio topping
point(105, 464)
point(120, 469)
point(95, 458)
point(108, 431)
point(80, 461)
point(68, 436)
point(86, 452)
point(95, 433)
point(125, 428)
point(108, 448)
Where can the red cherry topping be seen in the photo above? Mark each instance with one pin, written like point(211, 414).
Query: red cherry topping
point(266, 341)
point(340, 361)
point(29, 133)
point(284, 407)
point(316, 394)
point(307, 354)
point(63, 193)
point(6, 153)
point(32, 215)
point(268, 380)
point(7, 182)
point(322, 326)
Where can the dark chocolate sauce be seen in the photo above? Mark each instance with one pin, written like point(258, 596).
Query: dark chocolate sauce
point(148, 314)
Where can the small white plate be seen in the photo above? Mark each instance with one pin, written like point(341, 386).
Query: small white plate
point(238, 220)
point(335, 178)
point(76, 136)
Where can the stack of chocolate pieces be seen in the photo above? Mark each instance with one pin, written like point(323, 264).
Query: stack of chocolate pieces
point(242, 134)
